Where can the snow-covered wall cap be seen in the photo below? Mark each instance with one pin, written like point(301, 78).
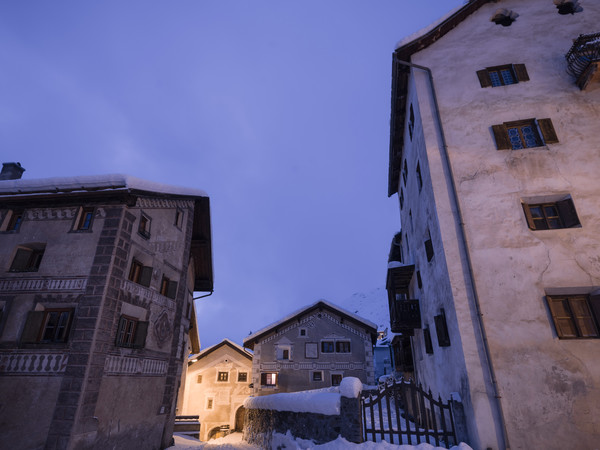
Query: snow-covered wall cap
point(320, 401)
point(305, 309)
point(113, 182)
point(351, 387)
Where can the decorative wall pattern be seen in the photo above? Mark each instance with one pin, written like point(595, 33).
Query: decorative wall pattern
point(33, 363)
point(128, 365)
point(42, 284)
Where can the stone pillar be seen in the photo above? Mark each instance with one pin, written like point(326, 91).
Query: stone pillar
point(351, 417)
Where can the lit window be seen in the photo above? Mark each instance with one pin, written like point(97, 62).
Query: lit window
point(268, 379)
point(223, 377)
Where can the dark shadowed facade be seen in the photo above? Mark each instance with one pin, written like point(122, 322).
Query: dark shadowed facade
point(97, 276)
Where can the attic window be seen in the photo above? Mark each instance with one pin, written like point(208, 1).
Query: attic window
point(504, 17)
point(567, 6)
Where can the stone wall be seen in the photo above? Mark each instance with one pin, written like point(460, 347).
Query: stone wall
point(320, 428)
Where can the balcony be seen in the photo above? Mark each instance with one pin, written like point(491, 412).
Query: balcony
point(583, 60)
point(405, 316)
point(399, 276)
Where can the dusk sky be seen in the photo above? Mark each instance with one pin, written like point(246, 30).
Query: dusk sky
point(278, 109)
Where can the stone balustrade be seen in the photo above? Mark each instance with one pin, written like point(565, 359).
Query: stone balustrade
point(33, 363)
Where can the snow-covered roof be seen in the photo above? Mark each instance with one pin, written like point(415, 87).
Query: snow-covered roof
point(304, 310)
point(95, 183)
point(212, 348)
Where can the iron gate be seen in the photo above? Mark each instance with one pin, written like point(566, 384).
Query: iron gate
point(403, 412)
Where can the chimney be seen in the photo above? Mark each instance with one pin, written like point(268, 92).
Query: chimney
point(11, 171)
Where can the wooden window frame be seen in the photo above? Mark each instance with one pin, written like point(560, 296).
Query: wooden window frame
point(243, 375)
point(27, 259)
point(37, 326)
point(328, 343)
point(566, 218)
point(222, 376)
point(266, 379)
point(13, 221)
point(341, 345)
point(140, 274)
point(131, 332)
point(144, 226)
point(543, 129)
point(518, 73)
point(85, 218)
point(588, 304)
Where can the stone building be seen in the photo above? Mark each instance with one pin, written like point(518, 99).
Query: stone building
point(96, 282)
point(218, 382)
point(312, 348)
point(494, 157)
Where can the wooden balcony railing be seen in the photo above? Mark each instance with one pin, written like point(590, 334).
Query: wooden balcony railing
point(583, 59)
point(405, 316)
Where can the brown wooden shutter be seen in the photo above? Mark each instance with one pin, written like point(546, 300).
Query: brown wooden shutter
point(562, 317)
point(528, 216)
point(146, 276)
point(484, 78)
point(566, 210)
point(595, 307)
point(263, 379)
point(172, 289)
point(141, 330)
point(501, 137)
point(547, 130)
point(33, 325)
point(21, 260)
point(521, 72)
point(118, 343)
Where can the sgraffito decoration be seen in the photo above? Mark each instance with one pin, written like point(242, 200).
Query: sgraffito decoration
point(162, 328)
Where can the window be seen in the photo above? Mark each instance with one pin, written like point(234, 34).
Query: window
point(283, 352)
point(286, 354)
point(401, 198)
point(302, 332)
point(419, 177)
point(441, 328)
point(199, 379)
point(523, 134)
point(84, 220)
point(551, 215)
point(411, 122)
point(178, 218)
point(317, 376)
point(575, 317)
point(223, 377)
point(336, 379)
point(49, 326)
point(168, 287)
point(342, 346)
point(209, 403)
point(13, 220)
point(28, 258)
point(427, 339)
point(419, 281)
point(502, 75)
point(242, 377)
point(144, 227)
point(405, 173)
point(429, 247)
point(140, 274)
point(131, 332)
point(327, 347)
point(268, 379)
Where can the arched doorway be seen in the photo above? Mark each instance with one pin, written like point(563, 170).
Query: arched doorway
point(218, 432)
point(239, 419)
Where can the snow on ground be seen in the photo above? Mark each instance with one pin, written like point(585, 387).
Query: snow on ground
point(234, 441)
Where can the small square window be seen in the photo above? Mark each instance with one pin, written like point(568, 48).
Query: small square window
point(242, 377)
point(223, 377)
point(168, 287)
point(199, 379)
point(336, 379)
point(342, 346)
point(131, 332)
point(268, 379)
point(327, 347)
point(551, 215)
point(317, 376)
point(209, 403)
point(144, 226)
point(302, 332)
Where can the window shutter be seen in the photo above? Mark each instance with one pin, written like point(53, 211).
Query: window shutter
point(141, 330)
point(561, 315)
point(429, 249)
point(566, 210)
point(441, 328)
point(528, 216)
point(595, 307)
point(21, 260)
point(146, 276)
point(33, 325)
point(119, 331)
point(172, 289)
point(521, 72)
point(484, 78)
point(501, 137)
point(547, 130)
point(263, 379)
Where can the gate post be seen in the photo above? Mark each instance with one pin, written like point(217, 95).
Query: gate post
point(460, 420)
point(351, 417)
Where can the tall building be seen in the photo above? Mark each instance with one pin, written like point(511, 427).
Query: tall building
point(494, 159)
point(96, 282)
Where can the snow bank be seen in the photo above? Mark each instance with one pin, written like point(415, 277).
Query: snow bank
point(321, 401)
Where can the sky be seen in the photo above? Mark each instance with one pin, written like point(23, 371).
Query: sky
point(278, 109)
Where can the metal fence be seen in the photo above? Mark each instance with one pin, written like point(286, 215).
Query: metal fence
point(402, 412)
